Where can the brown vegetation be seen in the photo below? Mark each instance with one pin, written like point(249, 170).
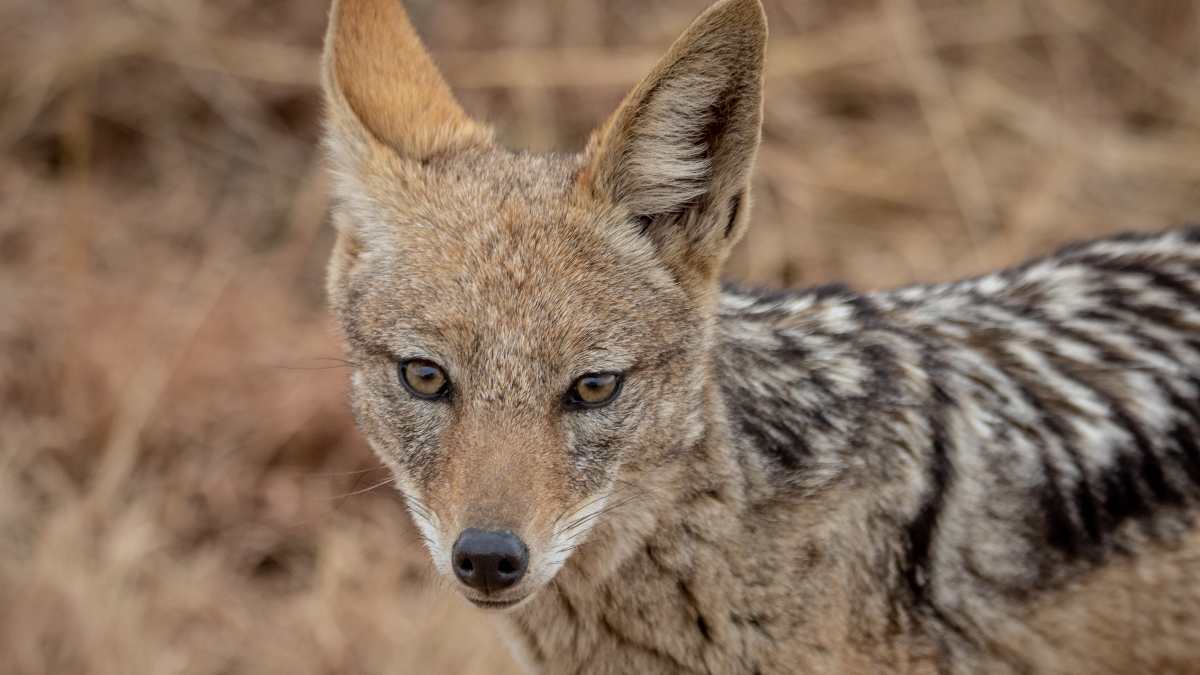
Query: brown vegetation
point(181, 490)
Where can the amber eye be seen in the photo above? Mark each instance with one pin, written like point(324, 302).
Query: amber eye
point(424, 379)
point(594, 390)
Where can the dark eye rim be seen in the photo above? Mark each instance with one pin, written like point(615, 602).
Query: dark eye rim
point(441, 394)
point(572, 402)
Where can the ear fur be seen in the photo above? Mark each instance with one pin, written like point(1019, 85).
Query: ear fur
point(388, 111)
point(677, 154)
point(381, 86)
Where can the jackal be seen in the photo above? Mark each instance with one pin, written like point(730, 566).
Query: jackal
point(642, 471)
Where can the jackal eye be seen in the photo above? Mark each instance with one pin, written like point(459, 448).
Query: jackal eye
point(594, 390)
point(424, 379)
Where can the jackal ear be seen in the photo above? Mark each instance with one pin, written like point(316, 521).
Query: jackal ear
point(677, 154)
point(387, 111)
point(382, 89)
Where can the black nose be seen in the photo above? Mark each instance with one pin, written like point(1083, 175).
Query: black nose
point(489, 561)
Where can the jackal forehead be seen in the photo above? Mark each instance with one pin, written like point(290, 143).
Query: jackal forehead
point(504, 259)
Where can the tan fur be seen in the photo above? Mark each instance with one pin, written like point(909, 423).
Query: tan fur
point(377, 71)
point(388, 109)
point(759, 498)
point(1135, 616)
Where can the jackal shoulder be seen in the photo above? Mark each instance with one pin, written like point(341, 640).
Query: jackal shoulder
point(1035, 422)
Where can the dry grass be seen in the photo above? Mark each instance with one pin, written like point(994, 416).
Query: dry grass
point(180, 487)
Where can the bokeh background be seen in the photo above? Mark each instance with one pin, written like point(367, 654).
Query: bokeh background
point(181, 489)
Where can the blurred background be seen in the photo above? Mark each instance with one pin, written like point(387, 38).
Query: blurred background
point(181, 489)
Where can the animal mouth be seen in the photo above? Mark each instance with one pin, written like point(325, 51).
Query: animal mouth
point(497, 605)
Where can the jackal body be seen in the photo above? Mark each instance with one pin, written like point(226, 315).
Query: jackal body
point(661, 475)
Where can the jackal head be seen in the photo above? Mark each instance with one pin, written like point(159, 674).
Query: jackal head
point(531, 334)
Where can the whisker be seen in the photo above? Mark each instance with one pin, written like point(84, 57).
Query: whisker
point(332, 363)
point(642, 489)
point(335, 474)
point(380, 484)
point(575, 523)
point(419, 508)
point(588, 502)
point(414, 502)
point(593, 516)
point(422, 512)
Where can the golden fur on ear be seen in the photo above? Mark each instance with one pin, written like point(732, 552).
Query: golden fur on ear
point(379, 79)
point(388, 110)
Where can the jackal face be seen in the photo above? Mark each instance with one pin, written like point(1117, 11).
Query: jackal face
point(531, 334)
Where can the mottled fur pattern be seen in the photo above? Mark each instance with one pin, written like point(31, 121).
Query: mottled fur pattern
point(998, 475)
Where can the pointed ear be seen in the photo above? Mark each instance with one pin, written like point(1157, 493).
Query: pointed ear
point(388, 111)
point(382, 88)
point(677, 154)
